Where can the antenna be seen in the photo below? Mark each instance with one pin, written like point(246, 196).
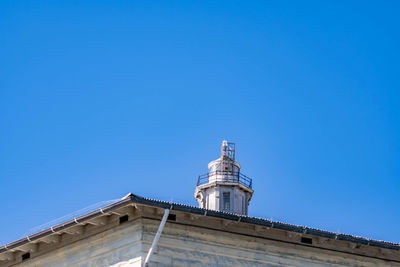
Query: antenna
point(228, 150)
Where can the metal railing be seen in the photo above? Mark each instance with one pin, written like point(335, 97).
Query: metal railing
point(225, 176)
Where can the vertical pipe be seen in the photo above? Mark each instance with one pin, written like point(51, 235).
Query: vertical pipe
point(158, 234)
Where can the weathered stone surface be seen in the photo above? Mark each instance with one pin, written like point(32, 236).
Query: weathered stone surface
point(196, 241)
point(119, 246)
point(186, 246)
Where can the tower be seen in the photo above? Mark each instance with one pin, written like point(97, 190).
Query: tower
point(224, 187)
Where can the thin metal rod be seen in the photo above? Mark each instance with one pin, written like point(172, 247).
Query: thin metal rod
point(158, 234)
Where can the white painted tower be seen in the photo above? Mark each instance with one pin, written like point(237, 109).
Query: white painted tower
point(224, 188)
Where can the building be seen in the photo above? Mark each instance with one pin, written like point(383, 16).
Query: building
point(133, 230)
point(224, 187)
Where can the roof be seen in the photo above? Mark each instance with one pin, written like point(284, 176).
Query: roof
point(131, 198)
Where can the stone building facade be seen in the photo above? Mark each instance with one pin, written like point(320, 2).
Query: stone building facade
point(136, 231)
point(121, 234)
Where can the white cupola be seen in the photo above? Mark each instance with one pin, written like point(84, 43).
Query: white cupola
point(224, 188)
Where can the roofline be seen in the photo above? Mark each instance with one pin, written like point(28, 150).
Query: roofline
point(131, 198)
point(265, 222)
point(61, 226)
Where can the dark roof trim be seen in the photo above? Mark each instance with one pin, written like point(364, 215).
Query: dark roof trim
point(264, 222)
point(131, 198)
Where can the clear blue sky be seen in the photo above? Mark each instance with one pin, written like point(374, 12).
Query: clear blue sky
point(102, 98)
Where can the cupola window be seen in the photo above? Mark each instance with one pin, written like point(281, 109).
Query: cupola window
point(227, 200)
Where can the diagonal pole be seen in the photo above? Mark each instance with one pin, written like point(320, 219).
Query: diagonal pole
point(158, 234)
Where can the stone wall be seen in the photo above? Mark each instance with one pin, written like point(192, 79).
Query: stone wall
point(197, 240)
point(118, 246)
point(182, 245)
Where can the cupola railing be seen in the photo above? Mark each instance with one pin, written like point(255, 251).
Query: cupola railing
point(225, 176)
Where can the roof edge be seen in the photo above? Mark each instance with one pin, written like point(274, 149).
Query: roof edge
point(132, 198)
